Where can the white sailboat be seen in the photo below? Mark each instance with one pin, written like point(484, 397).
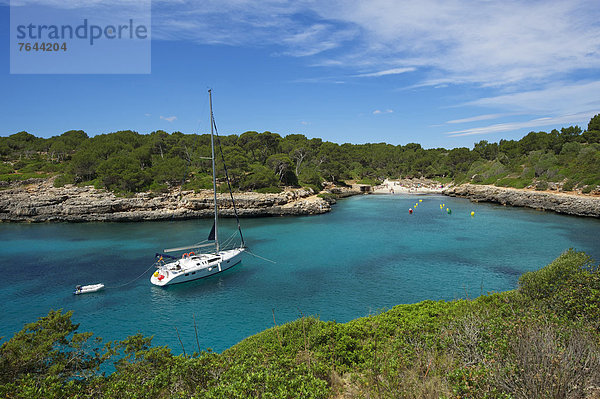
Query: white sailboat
point(196, 264)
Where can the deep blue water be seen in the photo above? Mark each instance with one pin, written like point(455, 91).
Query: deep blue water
point(366, 255)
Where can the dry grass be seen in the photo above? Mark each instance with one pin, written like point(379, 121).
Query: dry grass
point(549, 362)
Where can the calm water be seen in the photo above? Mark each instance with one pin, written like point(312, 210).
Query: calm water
point(367, 254)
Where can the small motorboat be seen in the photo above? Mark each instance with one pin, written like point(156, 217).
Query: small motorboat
point(86, 289)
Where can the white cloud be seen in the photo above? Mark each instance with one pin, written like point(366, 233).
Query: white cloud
point(527, 52)
point(315, 39)
point(379, 112)
point(580, 118)
point(393, 71)
point(556, 97)
point(556, 104)
point(95, 8)
point(476, 118)
point(488, 43)
point(168, 118)
point(512, 45)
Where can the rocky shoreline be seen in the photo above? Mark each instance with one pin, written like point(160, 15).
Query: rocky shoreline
point(40, 201)
point(570, 204)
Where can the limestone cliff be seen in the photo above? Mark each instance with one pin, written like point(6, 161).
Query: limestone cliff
point(39, 201)
point(571, 204)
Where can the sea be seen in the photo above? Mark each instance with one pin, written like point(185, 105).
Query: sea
point(367, 255)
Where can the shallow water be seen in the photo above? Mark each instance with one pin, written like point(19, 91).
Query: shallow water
point(366, 255)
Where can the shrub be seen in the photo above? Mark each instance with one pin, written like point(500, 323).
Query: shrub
point(49, 348)
point(310, 177)
point(477, 178)
point(569, 286)
point(548, 361)
point(6, 169)
point(269, 190)
point(515, 182)
point(159, 188)
point(65, 178)
point(313, 187)
point(569, 185)
point(541, 185)
point(329, 197)
point(13, 177)
point(369, 181)
point(543, 283)
point(260, 177)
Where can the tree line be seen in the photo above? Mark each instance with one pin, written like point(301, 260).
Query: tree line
point(126, 161)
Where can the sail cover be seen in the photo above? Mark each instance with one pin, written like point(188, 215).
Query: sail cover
point(211, 235)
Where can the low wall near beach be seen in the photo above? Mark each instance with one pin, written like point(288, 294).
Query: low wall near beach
point(571, 204)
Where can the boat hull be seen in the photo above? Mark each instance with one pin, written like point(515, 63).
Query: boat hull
point(196, 268)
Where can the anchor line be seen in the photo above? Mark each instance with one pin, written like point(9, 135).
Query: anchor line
point(135, 279)
point(258, 256)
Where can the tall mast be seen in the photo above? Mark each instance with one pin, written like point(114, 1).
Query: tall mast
point(212, 147)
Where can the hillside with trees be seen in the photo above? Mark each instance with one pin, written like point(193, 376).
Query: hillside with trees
point(127, 161)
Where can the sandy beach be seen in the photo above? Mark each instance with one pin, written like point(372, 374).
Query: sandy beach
point(409, 186)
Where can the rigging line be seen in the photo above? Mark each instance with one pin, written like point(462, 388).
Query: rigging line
point(229, 240)
point(123, 285)
point(231, 237)
point(258, 256)
point(228, 182)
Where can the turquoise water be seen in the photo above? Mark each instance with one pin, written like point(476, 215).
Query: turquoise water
point(366, 255)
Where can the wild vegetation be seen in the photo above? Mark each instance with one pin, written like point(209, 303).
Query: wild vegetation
point(127, 162)
point(538, 341)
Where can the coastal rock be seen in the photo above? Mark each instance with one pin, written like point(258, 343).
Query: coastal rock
point(570, 204)
point(41, 202)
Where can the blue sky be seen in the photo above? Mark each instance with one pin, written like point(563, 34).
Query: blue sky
point(443, 73)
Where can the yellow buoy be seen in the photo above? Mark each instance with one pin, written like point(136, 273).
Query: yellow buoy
point(472, 213)
point(420, 200)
